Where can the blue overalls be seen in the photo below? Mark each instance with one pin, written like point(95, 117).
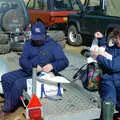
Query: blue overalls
point(14, 82)
point(110, 83)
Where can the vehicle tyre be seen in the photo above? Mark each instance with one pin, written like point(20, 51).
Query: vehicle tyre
point(17, 46)
point(4, 48)
point(74, 38)
point(58, 36)
point(4, 38)
point(12, 19)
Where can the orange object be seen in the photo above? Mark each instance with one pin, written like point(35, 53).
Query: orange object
point(33, 109)
point(34, 102)
point(91, 84)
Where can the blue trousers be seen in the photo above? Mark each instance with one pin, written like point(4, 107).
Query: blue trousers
point(110, 91)
point(13, 84)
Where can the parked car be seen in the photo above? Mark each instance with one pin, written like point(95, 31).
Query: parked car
point(95, 15)
point(13, 24)
point(53, 13)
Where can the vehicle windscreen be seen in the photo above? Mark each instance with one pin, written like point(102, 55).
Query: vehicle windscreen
point(67, 4)
point(113, 7)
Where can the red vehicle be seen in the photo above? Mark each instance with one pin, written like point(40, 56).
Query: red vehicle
point(53, 13)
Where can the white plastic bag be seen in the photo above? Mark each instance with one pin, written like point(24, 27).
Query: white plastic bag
point(50, 88)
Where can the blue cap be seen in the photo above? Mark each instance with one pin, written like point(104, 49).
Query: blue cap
point(38, 31)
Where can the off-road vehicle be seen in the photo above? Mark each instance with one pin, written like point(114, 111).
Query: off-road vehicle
point(95, 15)
point(13, 24)
point(53, 13)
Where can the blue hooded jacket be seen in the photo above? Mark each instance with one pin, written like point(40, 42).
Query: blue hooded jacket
point(51, 52)
point(112, 66)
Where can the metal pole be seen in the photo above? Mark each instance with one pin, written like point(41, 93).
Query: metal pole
point(34, 74)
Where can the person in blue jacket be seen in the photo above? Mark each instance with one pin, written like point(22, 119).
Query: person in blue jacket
point(41, 51)
point(110, 83)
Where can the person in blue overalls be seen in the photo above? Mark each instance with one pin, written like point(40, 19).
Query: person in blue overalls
point(41, 51)
point(110, 83)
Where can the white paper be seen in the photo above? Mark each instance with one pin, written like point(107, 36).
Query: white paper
point(56, 79)
point(90, 60)
point(101, 50)
point(94, 48)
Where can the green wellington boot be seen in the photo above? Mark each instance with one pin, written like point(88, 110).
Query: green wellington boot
point(108, 110)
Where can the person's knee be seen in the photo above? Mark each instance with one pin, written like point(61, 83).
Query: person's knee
point(9, 77)
point(4, 77)
point(20, 85)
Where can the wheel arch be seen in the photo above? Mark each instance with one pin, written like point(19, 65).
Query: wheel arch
point(39, 19)
point(75, 23)
point(77, 38)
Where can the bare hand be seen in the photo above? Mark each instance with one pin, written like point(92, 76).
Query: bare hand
point(98, 35)
point(47, 68)
point(39, 69)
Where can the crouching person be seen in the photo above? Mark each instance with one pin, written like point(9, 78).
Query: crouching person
point(40, 51)
point(110, 83)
